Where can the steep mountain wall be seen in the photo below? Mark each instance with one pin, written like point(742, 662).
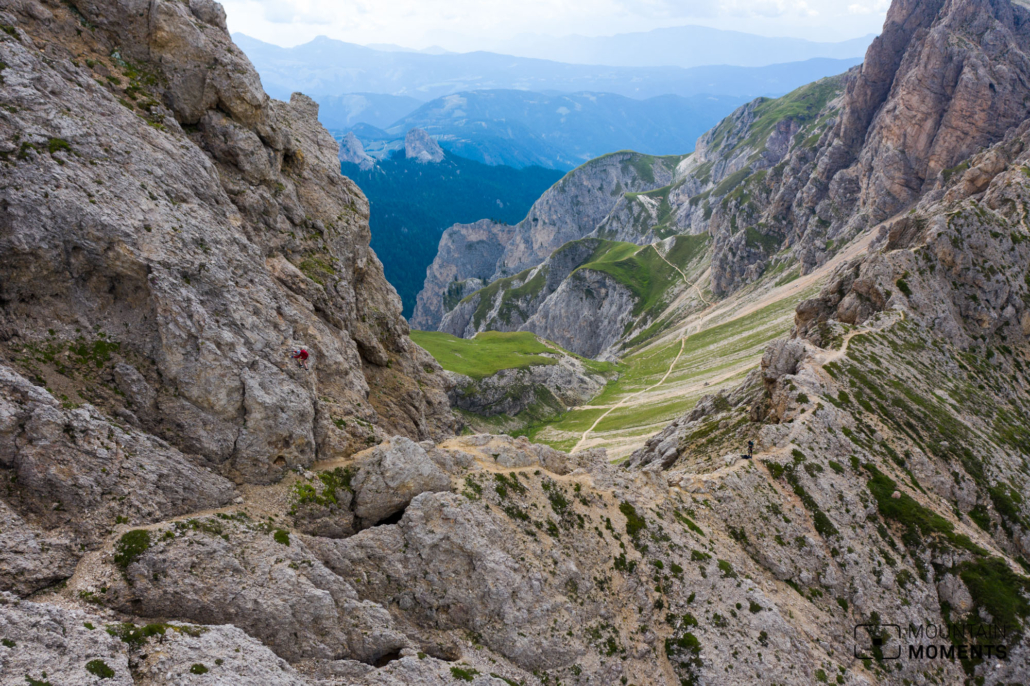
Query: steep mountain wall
point(169, 234)
point(794, 179)
point(466, 252)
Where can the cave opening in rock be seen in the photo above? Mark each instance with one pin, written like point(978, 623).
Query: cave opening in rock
point(395, 518)
point(387, 659)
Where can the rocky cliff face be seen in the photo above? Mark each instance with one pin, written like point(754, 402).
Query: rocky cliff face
point(536, 393)
point(169, 234)
point(579, 202)
point(795, 179)
point(571, 209)
point(507, 304)
point(465, 261)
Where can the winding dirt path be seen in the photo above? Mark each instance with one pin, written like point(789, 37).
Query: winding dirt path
point(685, 280)
point(583, 438)
point(683, 344)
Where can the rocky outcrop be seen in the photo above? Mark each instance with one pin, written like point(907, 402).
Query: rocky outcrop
point(570, 210)
point(508, 304)
point(465, 261)
point(955, 263)
point(387, 480)
point(161, 256)
point(420, 146)
point(72, 474)
point(230, 570)
point(542, 390)
point(353, 152)
point(573, 208)
point(48, 643)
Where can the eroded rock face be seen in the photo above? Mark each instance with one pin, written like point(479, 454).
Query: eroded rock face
point(393, 474)
point(229, 570)
point(587, 314)
point(512, 303)
point(70, 646)
point(944, 80)
point(888, 481)
point(46, 638)
point(546, 389)
point(573, 207)
point(69, 475)
point(953, 263)
point(182, 239)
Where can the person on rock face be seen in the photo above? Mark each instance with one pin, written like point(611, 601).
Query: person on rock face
point(301, 356)
point(750, 449)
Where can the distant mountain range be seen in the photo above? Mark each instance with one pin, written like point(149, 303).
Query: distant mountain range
point(680, 46)
point(326, 67)
point(520, 128)
point(342, 112)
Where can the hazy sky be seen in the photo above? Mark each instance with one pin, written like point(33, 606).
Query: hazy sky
point(463, 25)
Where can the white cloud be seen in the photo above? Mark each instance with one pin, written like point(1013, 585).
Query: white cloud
point(476, 24)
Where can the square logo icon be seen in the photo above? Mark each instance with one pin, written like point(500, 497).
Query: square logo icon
point(871, 639)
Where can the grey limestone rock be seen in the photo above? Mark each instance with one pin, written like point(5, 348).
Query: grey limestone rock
point(72, 474)
point(420, 146)
point(211, 232)
point(587, 314)
point(229, 570)
point(567, 383)
point(352, 151)
point(466, 258)
point(390, 476)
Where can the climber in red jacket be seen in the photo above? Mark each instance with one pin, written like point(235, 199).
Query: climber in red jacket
point(301, 356)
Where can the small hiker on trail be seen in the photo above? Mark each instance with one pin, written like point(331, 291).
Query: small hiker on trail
point(301, 355)
point(750, 449)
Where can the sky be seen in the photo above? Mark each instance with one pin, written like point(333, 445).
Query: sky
point(465, 25)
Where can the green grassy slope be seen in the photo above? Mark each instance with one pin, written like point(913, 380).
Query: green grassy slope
point(721, 354)
point(491, 351)
point(642, 270)
point(486, 354)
